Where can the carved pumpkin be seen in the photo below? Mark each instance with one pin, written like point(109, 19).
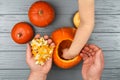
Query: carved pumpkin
point(63, 38)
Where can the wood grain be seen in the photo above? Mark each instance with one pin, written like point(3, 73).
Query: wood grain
point(104, 23)
point(106, 35)
point(111, 74)
point(14, 60)
point(107, 41)
point(61, 6)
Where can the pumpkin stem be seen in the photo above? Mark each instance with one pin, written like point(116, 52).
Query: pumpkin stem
point(40, 12)
point(19, 35)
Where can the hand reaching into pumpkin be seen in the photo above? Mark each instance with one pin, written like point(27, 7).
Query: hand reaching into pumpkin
point(93, 62)
point(86, 10)
point(38, 72)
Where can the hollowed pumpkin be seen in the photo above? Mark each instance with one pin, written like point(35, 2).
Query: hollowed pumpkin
point(63, 38)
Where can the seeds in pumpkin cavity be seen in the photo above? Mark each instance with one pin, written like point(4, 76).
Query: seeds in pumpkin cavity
point(41, 50)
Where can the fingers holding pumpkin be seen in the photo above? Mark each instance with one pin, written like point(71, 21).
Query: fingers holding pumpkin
point(37, 36)
point(50, 42)
point(46, 37)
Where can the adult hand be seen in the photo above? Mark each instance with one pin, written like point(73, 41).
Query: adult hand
point(38, 72)
point(93, 62)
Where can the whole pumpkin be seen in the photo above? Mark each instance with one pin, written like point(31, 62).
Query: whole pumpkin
point(76, 19)
point(22, 33)
point(41, 13)
point(63, 38)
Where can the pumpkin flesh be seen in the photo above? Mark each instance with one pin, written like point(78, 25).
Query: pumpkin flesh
point(41, 50)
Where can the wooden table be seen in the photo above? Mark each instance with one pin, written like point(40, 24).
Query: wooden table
point(106, 35)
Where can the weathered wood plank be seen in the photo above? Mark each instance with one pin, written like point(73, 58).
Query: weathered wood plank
point(61, 6)
point(54, 74)
point(107, 41)
point(14, 60)
point(104, 23)
point(106, 35)
point(111, 74)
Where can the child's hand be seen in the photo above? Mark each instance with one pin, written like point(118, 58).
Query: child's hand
point(67, 54)
point(38, 70)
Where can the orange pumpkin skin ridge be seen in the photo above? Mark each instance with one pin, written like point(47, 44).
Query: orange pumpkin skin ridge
point(41, 14)
point(60, 35)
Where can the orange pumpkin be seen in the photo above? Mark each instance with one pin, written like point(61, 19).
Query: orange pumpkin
point(41, 13)
point(76, 19)
point(63, 38)
point(22, 33)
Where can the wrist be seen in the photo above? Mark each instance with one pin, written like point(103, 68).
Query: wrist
point(93, 79)
point(37, 75)
point(72, 53)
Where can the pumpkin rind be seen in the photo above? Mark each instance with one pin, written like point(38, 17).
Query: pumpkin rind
point(58, 36)
point(41, 14)
point(22, 32)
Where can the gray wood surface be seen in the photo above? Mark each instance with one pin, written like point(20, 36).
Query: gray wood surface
point(15, 58)
point(57, 74)
point(106, 35)
point(107, 41)
point(61, 6)
point(104, 23)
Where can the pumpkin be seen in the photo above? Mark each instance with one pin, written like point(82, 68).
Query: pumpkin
point(41, 14)
point(76, 19)
point(22, 33)
point(63, 38)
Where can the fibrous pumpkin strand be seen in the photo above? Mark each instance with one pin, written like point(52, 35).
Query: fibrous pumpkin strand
point(41, 50)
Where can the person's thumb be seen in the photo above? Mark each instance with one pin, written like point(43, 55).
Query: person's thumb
point(98, 60)
point(28, 52)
